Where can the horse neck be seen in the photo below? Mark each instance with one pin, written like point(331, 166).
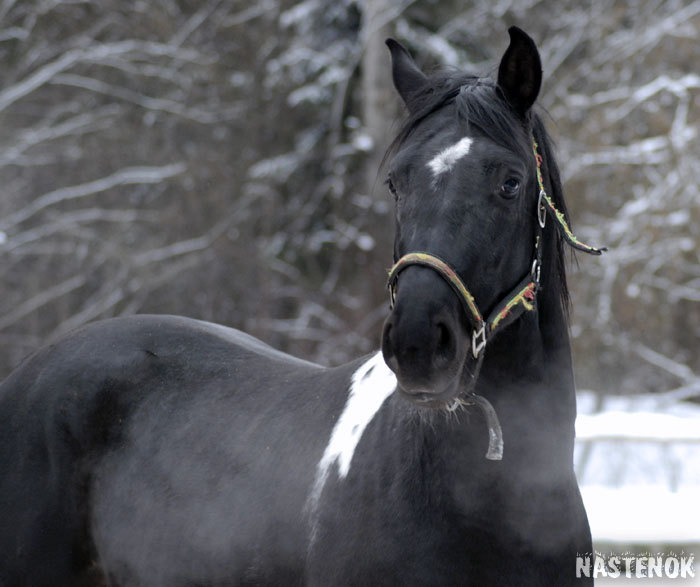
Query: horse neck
point(527, 377)
point(533, 353)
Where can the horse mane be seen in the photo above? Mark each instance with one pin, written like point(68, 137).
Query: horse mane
point(481, 106)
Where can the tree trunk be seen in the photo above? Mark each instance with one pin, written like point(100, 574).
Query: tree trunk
point(379, 104)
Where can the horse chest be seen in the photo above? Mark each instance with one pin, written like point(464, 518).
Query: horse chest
point(411, 544)
point(416, 509)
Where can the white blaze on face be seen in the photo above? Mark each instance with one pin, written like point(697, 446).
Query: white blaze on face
point(446, 159)
point(371, 384)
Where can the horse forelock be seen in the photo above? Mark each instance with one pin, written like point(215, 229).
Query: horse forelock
point(479, 106)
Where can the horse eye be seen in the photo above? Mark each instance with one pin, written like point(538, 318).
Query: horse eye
point(392, 189)
point(510, 187)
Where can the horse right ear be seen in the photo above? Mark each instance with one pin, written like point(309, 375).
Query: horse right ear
point(520, 71)
point(408, 79)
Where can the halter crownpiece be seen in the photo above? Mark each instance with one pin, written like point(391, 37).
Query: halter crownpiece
point(520, 299)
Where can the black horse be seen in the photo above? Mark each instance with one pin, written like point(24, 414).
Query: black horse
point(163, 451)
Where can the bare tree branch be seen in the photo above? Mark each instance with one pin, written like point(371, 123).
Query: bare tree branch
point(127, 176)
point(45, 297)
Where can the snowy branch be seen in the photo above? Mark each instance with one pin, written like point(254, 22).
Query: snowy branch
point(96, 53)
point(39, 300)
point(127, 176)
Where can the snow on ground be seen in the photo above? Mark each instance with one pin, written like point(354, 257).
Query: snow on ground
point(638, 463)
point(638, 440)
point(643, 515)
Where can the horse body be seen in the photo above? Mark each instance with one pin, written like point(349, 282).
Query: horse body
point(166, 448)
point(163, 451)
point(175, 457)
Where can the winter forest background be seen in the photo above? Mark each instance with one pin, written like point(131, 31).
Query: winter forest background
point(218, 159)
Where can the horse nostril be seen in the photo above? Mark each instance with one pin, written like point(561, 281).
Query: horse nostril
point(445, 343)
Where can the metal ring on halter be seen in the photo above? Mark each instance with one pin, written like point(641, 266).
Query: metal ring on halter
point(541, 209)
point(478, 340)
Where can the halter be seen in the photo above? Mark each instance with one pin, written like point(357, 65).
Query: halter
point(520, 299)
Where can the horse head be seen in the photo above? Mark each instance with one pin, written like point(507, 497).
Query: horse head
point(465, 181)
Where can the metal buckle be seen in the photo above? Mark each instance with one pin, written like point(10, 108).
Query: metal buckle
point(478, 340)
point(535, 271)
point(541, 210)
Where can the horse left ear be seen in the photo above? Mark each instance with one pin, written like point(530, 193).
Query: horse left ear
point(408, 79)
point(520, 72)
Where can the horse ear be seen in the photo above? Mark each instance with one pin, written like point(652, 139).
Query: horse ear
point(408, 79)
point(520, 71)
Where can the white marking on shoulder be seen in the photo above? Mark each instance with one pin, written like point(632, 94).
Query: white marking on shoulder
point(371, 384)
point(446, 159)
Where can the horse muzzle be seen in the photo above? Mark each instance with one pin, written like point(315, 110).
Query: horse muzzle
point(424, 342)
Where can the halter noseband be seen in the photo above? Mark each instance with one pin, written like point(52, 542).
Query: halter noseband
point(520, 299)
